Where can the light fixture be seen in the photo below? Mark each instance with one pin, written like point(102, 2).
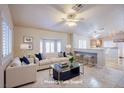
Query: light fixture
point(70, 23)
point(96, 35)
point(24, 46)
point(68, 46)
point(71, 19)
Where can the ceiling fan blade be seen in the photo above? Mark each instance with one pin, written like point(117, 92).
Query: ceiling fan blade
point(77, 20)
point(81, 19)
point(64, 19)
point(59, 23)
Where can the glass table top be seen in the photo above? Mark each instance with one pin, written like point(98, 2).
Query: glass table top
point(58, 67)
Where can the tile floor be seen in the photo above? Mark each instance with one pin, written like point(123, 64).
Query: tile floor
point(110, 76)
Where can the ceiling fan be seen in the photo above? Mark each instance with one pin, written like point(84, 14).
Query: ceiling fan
point(72, 18)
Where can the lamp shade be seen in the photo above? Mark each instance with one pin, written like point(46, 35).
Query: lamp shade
point(68, 46)
point(24, 46)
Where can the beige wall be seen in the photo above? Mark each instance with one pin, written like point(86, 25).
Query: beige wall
point(4, 10)
point(37, 34)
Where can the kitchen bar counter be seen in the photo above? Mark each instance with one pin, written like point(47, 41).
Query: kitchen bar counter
point(99, 52)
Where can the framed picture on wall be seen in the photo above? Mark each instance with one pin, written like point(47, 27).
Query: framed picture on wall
point(28, 39)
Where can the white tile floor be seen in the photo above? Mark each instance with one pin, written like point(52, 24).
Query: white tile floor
point(110, 76)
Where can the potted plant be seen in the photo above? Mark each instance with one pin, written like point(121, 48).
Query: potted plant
point(71, 59)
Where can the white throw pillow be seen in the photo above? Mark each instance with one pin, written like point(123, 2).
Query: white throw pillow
point(16, 62)
point(60, 54)
point(31, 60)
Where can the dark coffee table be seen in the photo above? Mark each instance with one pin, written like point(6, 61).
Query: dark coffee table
point(62, 74)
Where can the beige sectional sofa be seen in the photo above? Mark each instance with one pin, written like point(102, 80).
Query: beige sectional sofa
point(51, 58)
point(18, 74)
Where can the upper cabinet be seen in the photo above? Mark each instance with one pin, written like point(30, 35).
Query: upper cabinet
point(119, 37)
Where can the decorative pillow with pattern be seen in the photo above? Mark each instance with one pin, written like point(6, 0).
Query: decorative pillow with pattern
point(39, 56)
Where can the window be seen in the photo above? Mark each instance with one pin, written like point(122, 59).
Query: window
point(47, 47)
point(50, 46)
point(82, 43)
point(41, 46)
point(6, 39)
point(109, 43)
point(59, 46)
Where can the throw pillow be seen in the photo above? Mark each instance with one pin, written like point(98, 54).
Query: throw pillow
point(25, 60)
point(31, 60)
point(16, 62)
point(21, 59)
point(64, 54)
point(60, 54)
point(39, 56)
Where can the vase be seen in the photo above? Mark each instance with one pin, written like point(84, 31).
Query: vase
point(71, 64)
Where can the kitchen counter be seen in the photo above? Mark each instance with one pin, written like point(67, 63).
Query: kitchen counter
point(99, 52)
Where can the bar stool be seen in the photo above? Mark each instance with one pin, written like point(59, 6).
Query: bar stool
point(92, 60)
point(77, 56)
point(85, 59)
point(81, 58)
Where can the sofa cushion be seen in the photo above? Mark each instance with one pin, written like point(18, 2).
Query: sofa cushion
point(53, 61)
point(64, 59)
point(61, 59)
point(51, 55)
point(39, 56)
point(60, 54)
point(31, 60)
point(16, 62)
point(45, 62)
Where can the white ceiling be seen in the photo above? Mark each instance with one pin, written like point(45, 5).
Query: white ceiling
point(105, 19)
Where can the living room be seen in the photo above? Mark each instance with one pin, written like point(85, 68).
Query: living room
point(87, 39)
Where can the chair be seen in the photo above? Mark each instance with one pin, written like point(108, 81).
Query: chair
point(92, 60)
